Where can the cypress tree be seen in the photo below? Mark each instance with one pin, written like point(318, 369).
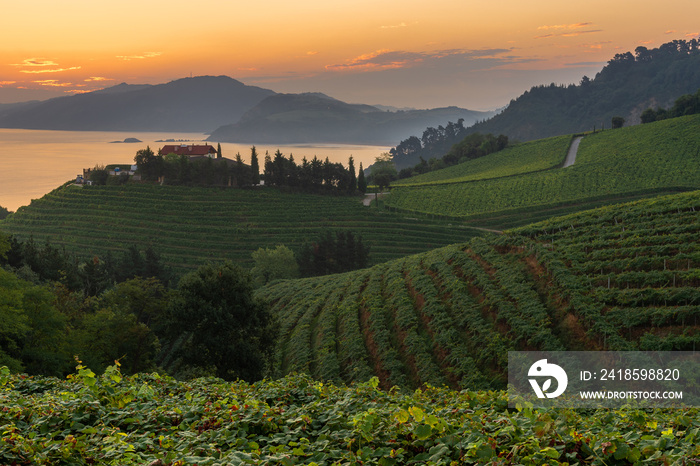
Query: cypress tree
point(361, 182)
point(254, 166)
point(353, 179)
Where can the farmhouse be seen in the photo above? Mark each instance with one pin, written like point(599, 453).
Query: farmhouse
point(190, 150)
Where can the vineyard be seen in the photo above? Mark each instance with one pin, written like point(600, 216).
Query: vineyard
point(147, 419)
point(625, 277)
point(521, 158)
point(657, 157)
point(189, 226)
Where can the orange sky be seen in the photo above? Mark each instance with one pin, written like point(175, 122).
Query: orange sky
point(473, 53)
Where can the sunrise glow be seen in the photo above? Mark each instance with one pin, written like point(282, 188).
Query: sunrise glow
point(475, 54)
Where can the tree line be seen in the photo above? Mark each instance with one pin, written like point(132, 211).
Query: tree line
point(313, 175)
point(129, 307)
point(470, 147)
point(644, 74)
point(688, 104)
point(209, 324)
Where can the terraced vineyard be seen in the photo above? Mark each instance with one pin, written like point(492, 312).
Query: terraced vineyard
point(654, 158)
point(615, 278)
point(521, 158)
point(188, 226)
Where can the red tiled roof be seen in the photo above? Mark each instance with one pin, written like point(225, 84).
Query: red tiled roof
point(185, 149)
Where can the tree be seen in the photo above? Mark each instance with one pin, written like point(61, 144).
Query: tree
point(617, 122)
point(648, 116)
point(4, 212)
point(383, 171)
point(274, 264)
point(337, 253)
point(254, 166)
point(218, 151)
point(98, 175)
point(352, 182)
point(226, 330)
point(361, 182)
point(5, 247)
point(149, 164)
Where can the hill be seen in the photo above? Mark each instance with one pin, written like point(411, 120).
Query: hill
point(191, 104)
point(626, 86)
point(313, 117)
point(624, 277)
point(189, 226)
point(511, 186)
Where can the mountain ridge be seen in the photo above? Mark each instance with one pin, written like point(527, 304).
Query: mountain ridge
point(189, 104)
point(625, 87)
point(298, 118)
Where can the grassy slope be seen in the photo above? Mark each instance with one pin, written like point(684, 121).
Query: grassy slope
point(615, 278)
point(610, 166)
point(191, 225)
point(521, 158)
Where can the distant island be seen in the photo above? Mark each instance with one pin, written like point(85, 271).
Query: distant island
point(174, 140)
point(127, 141)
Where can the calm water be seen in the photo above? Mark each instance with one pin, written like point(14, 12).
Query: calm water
point(34, 162)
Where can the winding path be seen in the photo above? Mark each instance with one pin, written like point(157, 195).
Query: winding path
point(573, 149)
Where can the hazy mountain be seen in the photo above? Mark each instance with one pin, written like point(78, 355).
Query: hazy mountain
point(190, 104)
point(626, 86)
point(317, 118)
point(123, 87)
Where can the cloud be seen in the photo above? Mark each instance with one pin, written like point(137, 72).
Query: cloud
point(312, 52)
point(385, 59)
point(7, 83)
point(670, 31)
point(93, 79)
point(36, 62)
point(693, 35)
point(596, 45)
point(565, 26)
point(59, 70)
point(569, 34)
point(140, 57)
point(565, 30)
point(394, 26)
point(52, 83)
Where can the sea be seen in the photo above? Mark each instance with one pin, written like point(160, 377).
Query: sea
point(35, 162)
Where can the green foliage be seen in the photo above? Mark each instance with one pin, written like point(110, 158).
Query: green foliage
point(623, 277)
point(193, 225)
point(617, 122)
point(657, 75)
point(337, 253)
point(150, 165)
point(5, 246)
point(361, 182)
point(611, 163)
point(225, 327)
point(274, 264)
point(147, 419)
point(99, 175)
point(383, 171)
point(688, 104)
point(32, 331)
point(4, 212)
point(516, 160)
